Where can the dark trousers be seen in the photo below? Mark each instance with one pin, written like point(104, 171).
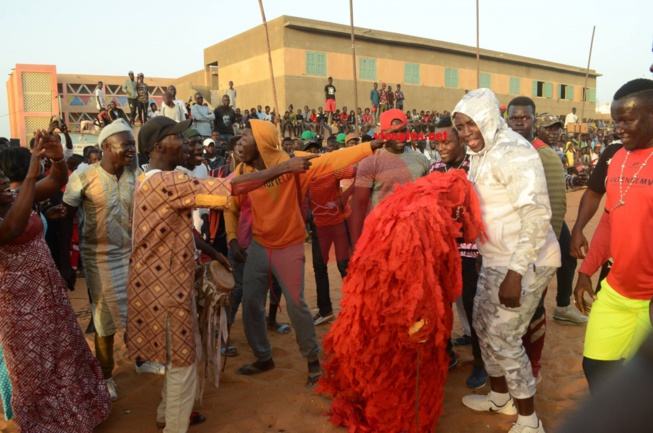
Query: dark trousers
point(470, 281)
point(565, 274)
point(321, 270)
point(596, 372)
point(132, 109)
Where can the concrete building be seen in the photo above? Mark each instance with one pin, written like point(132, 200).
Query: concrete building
point(38, 92)
point(434, 75)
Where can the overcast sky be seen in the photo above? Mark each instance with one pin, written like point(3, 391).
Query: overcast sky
point(168, 41)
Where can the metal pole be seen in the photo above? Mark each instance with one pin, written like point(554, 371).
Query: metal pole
point(274, 87)
point(478, 52)
point(353, 61)
point(587, 72)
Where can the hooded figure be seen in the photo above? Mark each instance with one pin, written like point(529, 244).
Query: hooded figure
point(520, 256)
point(376, 367)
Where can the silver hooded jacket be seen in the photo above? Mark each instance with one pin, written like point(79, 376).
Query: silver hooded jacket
point(509, 180)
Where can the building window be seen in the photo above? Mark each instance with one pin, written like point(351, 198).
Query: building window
point(542, 89)
point(367, 69)
point(515, 86)
point(451, 77)
point(565, 92)
point(485, 80)
point(589, 94)
point(316, 63)
point(411, 73)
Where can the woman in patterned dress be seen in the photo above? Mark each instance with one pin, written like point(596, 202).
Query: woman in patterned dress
point(57, 383)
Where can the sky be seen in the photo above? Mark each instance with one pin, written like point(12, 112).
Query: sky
point(167, 39)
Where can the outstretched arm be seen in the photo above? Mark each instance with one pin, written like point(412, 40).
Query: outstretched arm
point(251, 181)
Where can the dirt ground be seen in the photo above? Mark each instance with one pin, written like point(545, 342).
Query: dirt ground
point(277, 401)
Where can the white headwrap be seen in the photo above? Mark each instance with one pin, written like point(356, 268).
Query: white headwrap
point(115, 127)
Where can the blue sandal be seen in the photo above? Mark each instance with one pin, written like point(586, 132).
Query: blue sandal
point(229, 351)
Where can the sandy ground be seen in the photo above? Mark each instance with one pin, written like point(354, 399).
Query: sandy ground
point(277, 401)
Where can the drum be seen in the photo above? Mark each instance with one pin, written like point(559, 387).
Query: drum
point(221, 276)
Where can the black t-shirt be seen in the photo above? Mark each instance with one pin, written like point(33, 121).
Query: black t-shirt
point(596, 182)
point(330, 90)
point(322, 118)
point(224, 119)
point(299, 118)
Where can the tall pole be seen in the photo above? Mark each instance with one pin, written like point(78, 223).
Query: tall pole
point(478, 52)
point(587, 73)
point(353, 61)
point(274, 87)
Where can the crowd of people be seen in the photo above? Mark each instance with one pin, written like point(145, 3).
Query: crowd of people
point(218, 185)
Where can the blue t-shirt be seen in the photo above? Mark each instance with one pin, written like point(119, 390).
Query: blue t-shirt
point(374, 96)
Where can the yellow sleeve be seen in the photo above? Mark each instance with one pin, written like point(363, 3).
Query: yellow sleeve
point(231, 216)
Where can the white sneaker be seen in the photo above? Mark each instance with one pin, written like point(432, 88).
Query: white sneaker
point(319, 319)
point(569, 314)
point(111, 387)
point(150, 367)
point(518, 428)
point(482, 403)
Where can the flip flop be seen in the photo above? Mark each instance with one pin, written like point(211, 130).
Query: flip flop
point(195, 419)
point(313, 379)
point(256, 367)
point(279, 328)
point(229, 351)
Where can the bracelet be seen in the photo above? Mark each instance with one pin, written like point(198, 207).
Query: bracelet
point(58, 161)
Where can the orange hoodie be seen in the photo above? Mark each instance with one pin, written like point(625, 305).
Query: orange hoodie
point(277, 219)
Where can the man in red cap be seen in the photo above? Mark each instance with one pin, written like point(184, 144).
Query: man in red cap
point(377, 175)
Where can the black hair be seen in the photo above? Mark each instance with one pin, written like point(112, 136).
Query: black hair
point(332, 137)
point(330, 78)
point(92, 150)
point(232, 143)
point(445, 122)
point(86, 150)
point(366, 138)
point(640, 88)
point(4, 143)
point(75, 160)
point(522, 101)
point(14, 162)
point(286, 139)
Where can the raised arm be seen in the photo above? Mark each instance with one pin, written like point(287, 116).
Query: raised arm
point(15, 220)
point(58, 176)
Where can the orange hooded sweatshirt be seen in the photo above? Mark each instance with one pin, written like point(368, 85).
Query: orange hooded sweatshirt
point(277, 219)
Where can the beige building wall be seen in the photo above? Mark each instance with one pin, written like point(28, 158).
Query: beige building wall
point(243, 59)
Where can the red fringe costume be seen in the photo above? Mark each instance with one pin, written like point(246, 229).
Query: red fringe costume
point(371, 362)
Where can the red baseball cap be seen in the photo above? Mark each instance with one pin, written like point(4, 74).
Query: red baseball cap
point(391, 115)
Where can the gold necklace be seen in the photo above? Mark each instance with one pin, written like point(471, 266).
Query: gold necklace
point(622, 194)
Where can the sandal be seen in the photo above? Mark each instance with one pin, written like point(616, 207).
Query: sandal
point(229, 351)
point(195, 419)
point(255, 367)
point(279, 328)
point(313, 379)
